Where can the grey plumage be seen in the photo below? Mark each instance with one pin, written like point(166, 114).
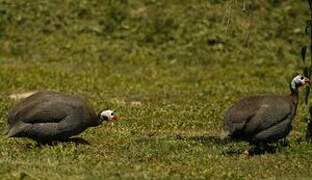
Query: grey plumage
point(46, 116)
point(263, 119)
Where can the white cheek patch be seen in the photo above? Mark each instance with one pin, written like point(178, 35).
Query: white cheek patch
point(107, 113)
point(297, 81)
point(293, 84)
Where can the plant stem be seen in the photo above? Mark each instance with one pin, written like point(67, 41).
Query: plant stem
point(310, 26)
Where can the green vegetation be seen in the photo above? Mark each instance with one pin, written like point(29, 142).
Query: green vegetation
point(171, 67)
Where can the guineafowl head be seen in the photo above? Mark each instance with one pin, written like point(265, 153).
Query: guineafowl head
point(299, 81)
point(107, 115)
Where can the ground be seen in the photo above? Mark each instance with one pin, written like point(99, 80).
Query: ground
point(170, 68)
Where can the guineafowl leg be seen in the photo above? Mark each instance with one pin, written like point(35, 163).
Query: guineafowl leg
point(284, 142)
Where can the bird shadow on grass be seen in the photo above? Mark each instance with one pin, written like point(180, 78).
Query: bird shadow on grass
point(74, 140)
point(212, 140)
point(252, 150)
point(228, 146)
point(205, 139)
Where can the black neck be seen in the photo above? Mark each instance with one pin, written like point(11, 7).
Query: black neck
point(294, 93)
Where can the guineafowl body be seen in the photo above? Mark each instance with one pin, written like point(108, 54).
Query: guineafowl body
point(47, 115)
point(263, 119)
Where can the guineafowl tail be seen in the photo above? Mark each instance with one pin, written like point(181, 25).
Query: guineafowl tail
point(225, 134)
point(16, 130)
point(10, 133)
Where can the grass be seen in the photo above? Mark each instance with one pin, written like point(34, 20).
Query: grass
point(171, 68)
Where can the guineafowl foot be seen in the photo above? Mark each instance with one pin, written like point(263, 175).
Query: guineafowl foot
point(259, 149)
point(246, 152)
point(254, 150)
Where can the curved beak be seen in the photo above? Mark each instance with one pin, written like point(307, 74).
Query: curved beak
point(307, 81)
point(114, 118)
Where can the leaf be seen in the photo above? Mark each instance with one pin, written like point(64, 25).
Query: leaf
point(306, 30)
point(307, 93)
point(308, 27)
point(303, 53)
point(306, 72)
point(310, 110)
point(310, 54)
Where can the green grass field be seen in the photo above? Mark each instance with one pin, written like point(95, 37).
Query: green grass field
point(170, 67)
